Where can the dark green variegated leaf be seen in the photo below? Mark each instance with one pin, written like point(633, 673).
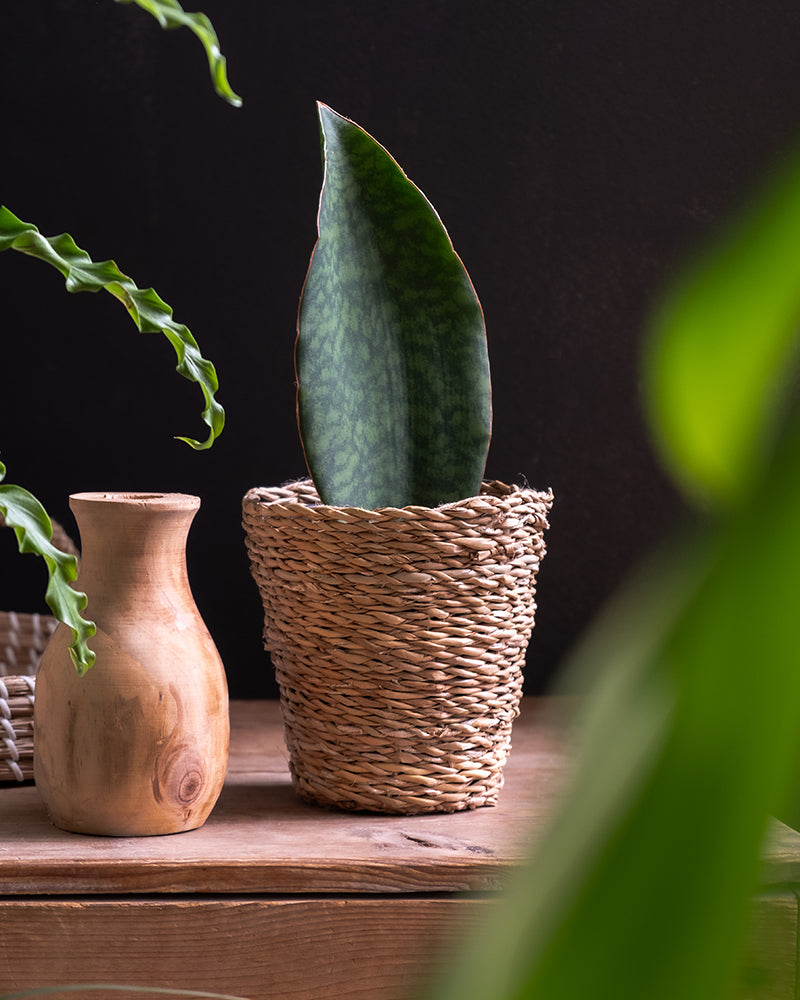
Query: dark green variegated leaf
point(393, 375)
point(150, 313)
point(170, 14)
point(27, 517)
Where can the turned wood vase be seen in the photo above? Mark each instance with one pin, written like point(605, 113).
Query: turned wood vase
point(139, 745)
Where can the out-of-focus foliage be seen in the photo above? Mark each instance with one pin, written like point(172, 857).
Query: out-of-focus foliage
point(723, 347)
point(691, 731)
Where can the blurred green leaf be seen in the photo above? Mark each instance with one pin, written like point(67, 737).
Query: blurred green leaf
point(170, 14)
point(723, 346)
point(642, 884)
point(393, 375)
point(27, 517)
point(149, 312)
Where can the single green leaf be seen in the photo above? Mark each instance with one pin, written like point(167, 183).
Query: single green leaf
point(29, 520)
point(719, 353)
point(170, 14)
point(393, 395)
point(149, 312)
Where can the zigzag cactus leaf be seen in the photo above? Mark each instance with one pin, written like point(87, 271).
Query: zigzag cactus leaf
point(394, 398)
point(34, 530)
point(149, 312)
point(170, 14)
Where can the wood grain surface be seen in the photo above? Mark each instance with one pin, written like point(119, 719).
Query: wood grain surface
point(342, 949)
point(274, 898)
point(262, 838)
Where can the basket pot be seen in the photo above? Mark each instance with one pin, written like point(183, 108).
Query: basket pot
point(398, 638)
point(139, 745)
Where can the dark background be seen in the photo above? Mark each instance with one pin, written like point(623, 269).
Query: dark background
point(576, 151)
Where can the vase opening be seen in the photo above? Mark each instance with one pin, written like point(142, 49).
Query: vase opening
point(130, 497)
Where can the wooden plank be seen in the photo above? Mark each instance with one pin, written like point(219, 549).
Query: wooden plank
point(262, 838)
point(769, 968)
point(370, 948)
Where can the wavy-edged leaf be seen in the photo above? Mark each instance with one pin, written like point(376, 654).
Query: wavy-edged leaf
point(170, 14)
point(394, 399)
point(34, 530)
point(149, 312)
point(717, 357)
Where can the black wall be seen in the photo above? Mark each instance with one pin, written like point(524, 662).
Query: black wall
point(577, 152)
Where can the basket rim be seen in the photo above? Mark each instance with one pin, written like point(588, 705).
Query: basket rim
point(299, 494)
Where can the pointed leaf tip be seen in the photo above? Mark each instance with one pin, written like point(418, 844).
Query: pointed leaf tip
point(393, 376)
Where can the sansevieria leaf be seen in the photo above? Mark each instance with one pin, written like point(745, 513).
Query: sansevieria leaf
point(149, 312)
point(394, 401)
point(170, 14)
point(27, 517)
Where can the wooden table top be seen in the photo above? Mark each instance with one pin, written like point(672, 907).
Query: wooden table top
point(262, 838)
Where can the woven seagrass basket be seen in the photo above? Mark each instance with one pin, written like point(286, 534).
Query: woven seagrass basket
point(398, 638)
point(23, 638)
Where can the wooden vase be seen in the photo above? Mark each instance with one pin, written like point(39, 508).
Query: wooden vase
point(139, 744)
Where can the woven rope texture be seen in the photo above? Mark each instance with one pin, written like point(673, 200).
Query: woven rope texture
point(16, 728)
point(22, 641)
point(398, 639)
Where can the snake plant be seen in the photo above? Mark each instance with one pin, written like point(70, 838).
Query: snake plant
point(392, 369)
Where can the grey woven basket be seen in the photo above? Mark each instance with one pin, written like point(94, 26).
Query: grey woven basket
point(398, 638)
point(23, 638)
point(16, 728)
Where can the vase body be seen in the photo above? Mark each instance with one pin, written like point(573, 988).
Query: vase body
point(398, 638)
point(139, 745)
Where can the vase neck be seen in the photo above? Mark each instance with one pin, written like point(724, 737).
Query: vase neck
point(133, 542)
